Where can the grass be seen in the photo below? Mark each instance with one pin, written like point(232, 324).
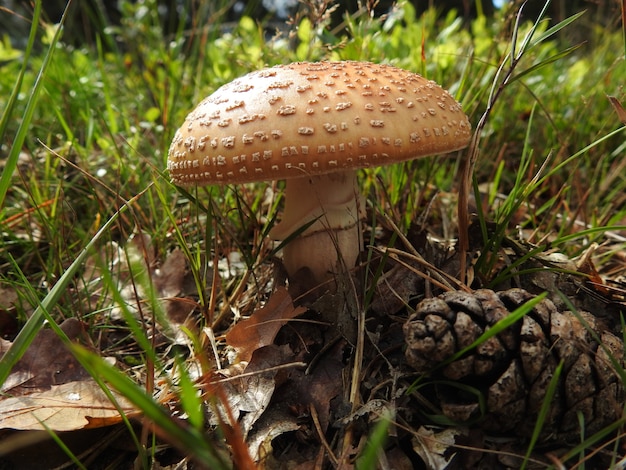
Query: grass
point(85, 131)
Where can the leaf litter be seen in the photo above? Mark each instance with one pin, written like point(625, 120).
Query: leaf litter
point(281, 383)
point(48, 388)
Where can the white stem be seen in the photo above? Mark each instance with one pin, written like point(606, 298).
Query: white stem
point(333, 241)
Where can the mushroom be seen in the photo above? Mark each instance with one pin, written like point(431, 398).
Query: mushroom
point(314, 124)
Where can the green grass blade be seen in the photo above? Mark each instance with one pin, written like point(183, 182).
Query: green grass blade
point(190, 399)
point(11, 163)
point(543, 413)
point(134, 324)
point(496, 329)
point(501, 325)
point(529, 36)
point(375, 444)
point(543, 63)
point(187, 438)
point(8, 111)
point(26, 335)
point(556, 28)
point(66, 450)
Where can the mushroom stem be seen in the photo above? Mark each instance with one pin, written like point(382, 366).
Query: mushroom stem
point(333, 207)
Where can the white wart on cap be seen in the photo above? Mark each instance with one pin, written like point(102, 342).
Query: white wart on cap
point(304, 121)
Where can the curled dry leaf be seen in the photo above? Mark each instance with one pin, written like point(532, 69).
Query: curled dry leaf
point(435, 448)
point(261, 327)
point(275, 422)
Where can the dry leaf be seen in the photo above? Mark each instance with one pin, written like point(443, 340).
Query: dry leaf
point(66, 407)
point(247, 398)
point(261, 327)
point(8, 316)
point(46, 362)
point(248, 393)
point(432, 447)
point(275, 422)
point(319, 387)
point(169, 282)
point(48, 385)
point(585, 265)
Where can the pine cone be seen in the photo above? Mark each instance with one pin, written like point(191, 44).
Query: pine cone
point(512, 370)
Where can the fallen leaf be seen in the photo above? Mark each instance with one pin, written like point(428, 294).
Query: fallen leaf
point(46, 362)
point(261, 327)
point(320, 386)
point(8, 316)
point(585, 265)
point(169, 282)
point(67, 407)
point(275, 422)
point(247, 398)
point(435, 447)
point(248, 393)
point(48, 387)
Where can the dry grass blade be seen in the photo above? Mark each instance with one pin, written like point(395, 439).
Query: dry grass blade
point(619, 109)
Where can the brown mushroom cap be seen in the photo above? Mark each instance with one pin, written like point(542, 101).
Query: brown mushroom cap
point(314, 118)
